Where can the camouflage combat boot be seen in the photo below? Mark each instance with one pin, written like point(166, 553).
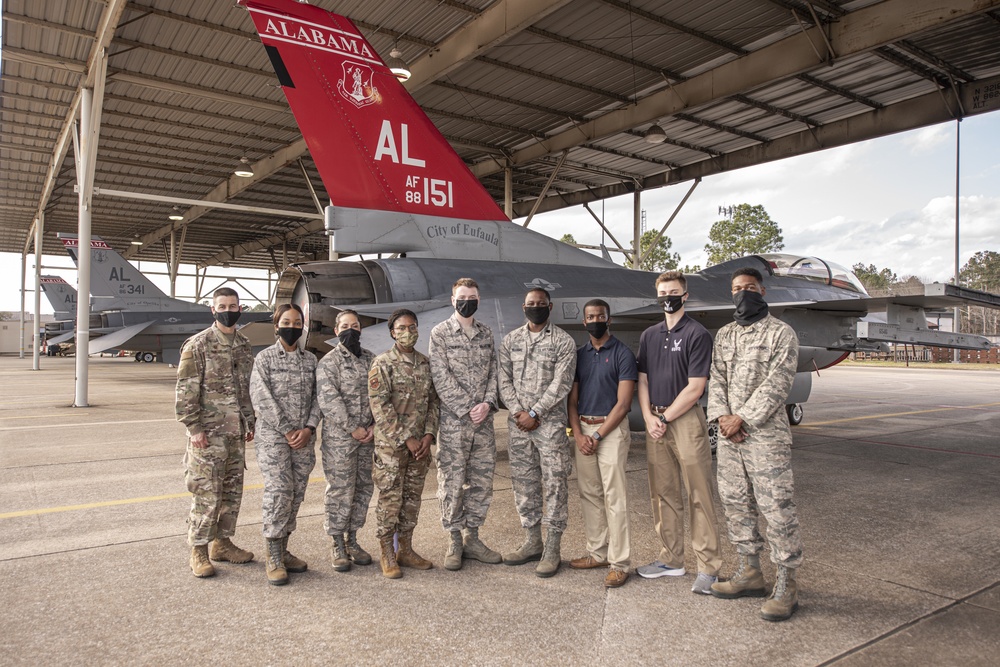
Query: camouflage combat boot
point(341, 561)
point(549, 564)
point(746, 581)
point(291, 563)
point(354, 550)
point(277, 575)
point(530, 550)
point(784, 598)
point(223, 549)
point(390, 568)
point(407, 557)
point(200, 564)
point(476, 550)
point(453, 558)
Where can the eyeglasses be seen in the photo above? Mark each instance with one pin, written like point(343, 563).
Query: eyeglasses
point(401, 329)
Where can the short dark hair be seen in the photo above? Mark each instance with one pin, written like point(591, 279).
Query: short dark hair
point(548, 297)
point(748, 271)
point(225, 291)
point(401, 312)
point(597, 303)
point(284, 308)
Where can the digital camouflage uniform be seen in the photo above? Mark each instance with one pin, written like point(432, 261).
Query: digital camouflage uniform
point(465, 375)
point(342, 388)
point(283, 390)
point(753, 368)
point(404, 405)
point(213, 397)
point(536, 373)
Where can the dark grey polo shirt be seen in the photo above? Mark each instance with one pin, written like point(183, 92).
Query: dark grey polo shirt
point(670, 358)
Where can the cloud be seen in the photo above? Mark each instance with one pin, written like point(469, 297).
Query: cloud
point(926, 140)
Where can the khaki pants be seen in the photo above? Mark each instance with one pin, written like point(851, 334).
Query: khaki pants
point(683, 454)
point(601, 478)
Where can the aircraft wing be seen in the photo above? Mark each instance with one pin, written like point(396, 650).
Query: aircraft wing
point(62, 338)
point(117, 340)
point(932, 295)
point(382, 311)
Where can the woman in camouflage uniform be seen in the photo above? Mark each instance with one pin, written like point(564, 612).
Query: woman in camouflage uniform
point(342, 390)
point(283, 391)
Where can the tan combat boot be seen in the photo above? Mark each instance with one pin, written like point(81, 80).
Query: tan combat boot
point(291, 563)
point(341, 562)
point(747, 581)
point(549, 564)
point(530, 550)
point(201, 566)
point(453, 558)
point(222, 549)
point(476, 550)
point(277, 575)
point(354, 550)
point(390, 568)
point(784, 598)
point(407, 557)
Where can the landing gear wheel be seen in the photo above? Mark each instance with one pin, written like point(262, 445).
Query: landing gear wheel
point(138, 356)
point(795, 414)
point(713, 436)
point(148, 357)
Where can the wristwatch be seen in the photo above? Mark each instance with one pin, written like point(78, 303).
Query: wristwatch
point(597, 436)
point(532, 414)
point(311, 428)
point(663, 419)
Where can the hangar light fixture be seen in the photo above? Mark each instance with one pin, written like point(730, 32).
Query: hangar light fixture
point(136, 241)
point(244, 169)
point(397, 65)
point(175, 214)
point(655, 134)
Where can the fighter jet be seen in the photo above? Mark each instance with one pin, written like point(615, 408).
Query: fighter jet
point(398, 188)
point(134, 314)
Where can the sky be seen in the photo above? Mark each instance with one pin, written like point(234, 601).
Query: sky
point(888, 202)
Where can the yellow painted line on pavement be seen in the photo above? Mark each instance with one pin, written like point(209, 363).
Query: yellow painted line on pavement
point(38, 426)
point(124, 501)
point(40, 417)
point(902, 414)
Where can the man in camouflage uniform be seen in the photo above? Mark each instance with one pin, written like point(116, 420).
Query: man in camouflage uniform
point(405, 407)
point(464, 368)
point(347, 447)
point(753, 367)
point(536, 370)
point(213, 402)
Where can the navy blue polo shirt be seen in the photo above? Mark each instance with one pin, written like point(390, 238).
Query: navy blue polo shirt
point(669, 358)
point(599, 372)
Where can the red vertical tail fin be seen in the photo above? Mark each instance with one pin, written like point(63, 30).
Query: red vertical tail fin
point(374, 147)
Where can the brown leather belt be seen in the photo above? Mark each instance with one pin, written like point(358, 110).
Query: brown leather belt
point(659, 408)
point(593, 420)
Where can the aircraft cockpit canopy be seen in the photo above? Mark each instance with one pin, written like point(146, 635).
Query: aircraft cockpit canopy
point(813, 268)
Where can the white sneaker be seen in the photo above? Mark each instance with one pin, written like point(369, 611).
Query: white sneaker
point(658, 569)
point(703, 584)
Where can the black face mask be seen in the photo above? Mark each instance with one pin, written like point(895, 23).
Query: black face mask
point(351, 340)
point(289, 334)
point(228, 318)
point(750, 307)
point(466, 307)
point(672, 303)
point(537, 314)
point(597, 329)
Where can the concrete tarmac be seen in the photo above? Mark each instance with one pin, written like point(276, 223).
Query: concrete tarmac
point(896, 476)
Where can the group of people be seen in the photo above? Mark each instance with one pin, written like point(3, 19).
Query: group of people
point(381, 416)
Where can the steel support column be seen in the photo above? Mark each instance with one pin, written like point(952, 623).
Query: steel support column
point(24, 272)
point(36, 348)
point(508, 192)
point(636, 227)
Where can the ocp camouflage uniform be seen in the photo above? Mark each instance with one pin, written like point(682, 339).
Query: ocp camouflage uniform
point(753, 368)
point(536, 373)
point(404, 405)
point(213, 397)
point(283, 390)
point(342, 388)
point(465, 374)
